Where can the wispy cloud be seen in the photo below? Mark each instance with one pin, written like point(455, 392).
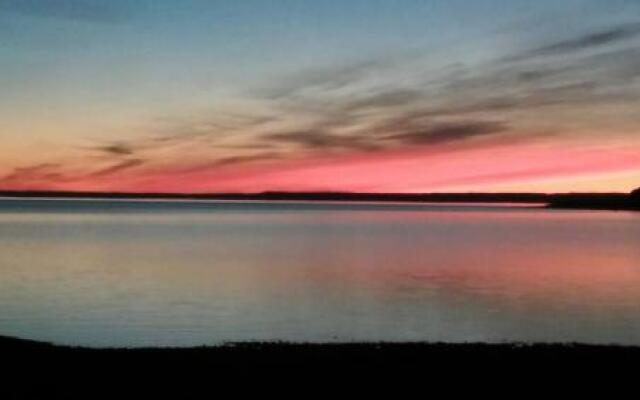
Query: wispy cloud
point(116, 168)
point(322, 79)
point(385, 99)
point(233, 160)
point(115, 149)
point(43, 169)
point(363, 107)
point(449, 132)
point(585, 42)
point(34, 176)
point(322, 140)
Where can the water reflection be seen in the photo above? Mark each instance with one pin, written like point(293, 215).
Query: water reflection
point(185, 277)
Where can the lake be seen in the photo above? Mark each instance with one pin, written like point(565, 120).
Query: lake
point(183, 273)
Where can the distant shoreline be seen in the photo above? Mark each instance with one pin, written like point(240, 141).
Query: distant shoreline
point(582, 201)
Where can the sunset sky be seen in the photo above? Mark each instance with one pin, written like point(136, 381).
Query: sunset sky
point(308, 95)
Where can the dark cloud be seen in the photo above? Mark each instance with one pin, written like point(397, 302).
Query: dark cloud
point(116, 149)
point(246, 159)
point(83, 10)
point(404, 129)
point(449, 132)
point(457, 103)
point(372, 114)
point(205, 130)
point(535, 75)
point(618, 66)
point(253, 145)
point(504, 89)
point(523, 100)
point(34, 177)
point(231, 160)
point(322, 140)
point(38, 171)
point(385, 99)
point(584, 42)
point(118, 167)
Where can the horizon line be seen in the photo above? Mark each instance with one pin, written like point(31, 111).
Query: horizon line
point(286, 192)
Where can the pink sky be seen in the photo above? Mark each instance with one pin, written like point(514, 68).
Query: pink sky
point(538, 166)
point(181, 99)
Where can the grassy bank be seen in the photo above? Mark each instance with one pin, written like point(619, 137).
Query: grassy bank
point(39, 370)
point(365, 355)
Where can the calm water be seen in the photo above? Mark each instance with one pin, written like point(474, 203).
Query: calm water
point(105, 273)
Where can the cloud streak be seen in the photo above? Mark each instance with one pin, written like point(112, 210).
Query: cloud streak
point(116, 168)
point(322, 140)
point(585, 42)
point(115, 149)
point(323, 79)
point(451, 132)
point(41, 175)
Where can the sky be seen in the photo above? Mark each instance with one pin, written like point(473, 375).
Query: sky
point(348, 95)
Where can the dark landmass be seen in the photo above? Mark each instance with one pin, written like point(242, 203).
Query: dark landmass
point(298, 196)
point(615, 201)
point(629, 202)
point(596, 204)
point(38, 369)
point(592, 201)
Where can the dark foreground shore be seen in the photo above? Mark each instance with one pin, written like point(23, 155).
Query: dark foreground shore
point(41, 370)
